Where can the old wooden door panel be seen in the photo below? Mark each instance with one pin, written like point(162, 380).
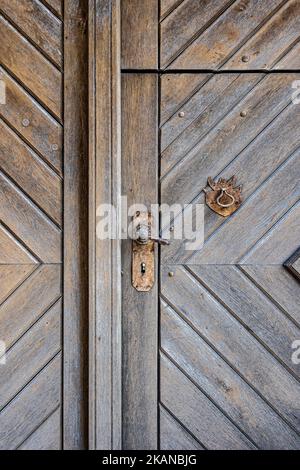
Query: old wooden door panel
point(247, 121)
point(240, 35)
point(31, 225)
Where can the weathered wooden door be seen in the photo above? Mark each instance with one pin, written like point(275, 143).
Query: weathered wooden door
point(209, 90)
point(42, 225)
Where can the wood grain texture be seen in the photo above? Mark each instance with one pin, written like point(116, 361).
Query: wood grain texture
point(11, 277)
point(46, 389)
point(43, 132)
point(139, 34)
point(105, 329)
point(42, 27)
point(173, 436)
point(56, 6)
point(197, 412)
point(12, 251)
point(139, 140)
point(75, 226)
point(222, 385)
point(30, 66)
point(47, 436)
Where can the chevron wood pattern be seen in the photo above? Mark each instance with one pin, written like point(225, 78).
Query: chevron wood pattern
point(228, 34)
point(31, 183)
point(230, 311)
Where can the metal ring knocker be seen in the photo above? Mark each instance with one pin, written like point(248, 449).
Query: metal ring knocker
point(223, 191)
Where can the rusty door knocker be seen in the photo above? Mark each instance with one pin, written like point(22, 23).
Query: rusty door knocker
point(224, 198)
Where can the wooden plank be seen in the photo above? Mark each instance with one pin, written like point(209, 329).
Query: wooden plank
point(47, 436)
point(28, 302)
point(173, 436)
point(105, 396)
point(42, 132)
point(223, 386)
point(254, 218)
point(279, 243)
point(226, 34)
point(35, 178)
point(139, 141)
point(43, 28)
point(167, 6)
point(197, 412)
point(11, 277)
point(176, 90)
point(271, 41)
point(233, 342)
point(187, 21)
point(257, 313)
point(56, 6)
point(139, 34)
point(31, 68)
point(12, 251)
point(46, 390)
point(28, 223)
point(293, 263)
point(290, 60)
point(30, 354)
point(227, 139)
point(75, 373)
point(277, 283)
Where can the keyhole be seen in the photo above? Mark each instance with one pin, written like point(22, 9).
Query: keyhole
point(143, 268)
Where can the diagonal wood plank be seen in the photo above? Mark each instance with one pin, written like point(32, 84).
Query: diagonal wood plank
point(173, 436)
point(47, 436)
point(30, 354)
point(294, 264)
point(55, 5)
point(32, 122)
point(29, 302)
point(196, 412)
point(233, 342)
point(224, 386)
point(31, 68)
point(38, 23)
point(256, 311)
point(30, 225)
point(11, 277)
point(20, 418)
point(11, 251)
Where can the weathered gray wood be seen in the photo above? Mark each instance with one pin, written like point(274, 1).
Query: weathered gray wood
point(35, 178)
point(47, 436)
point(253, 309)
point(176, 90)
point(55, 5)
point(139, 36)
point(167, 6)
point(233, 342)
point(185, 23)
point(43, 132)
point(271, 42)
point(28, 223)
point(43, 28)
point(279, 243)
point(11, 277)
point(173, 436)
point(197, 412)
point(46, 390)
point(222, 385)
point(31, 68)
point(12, 251)
point(75, 371)
point(139, 170)
point(31, 353)
point(105, 394)
point(226, 34)
point(293, 263)
point(227, 139)
point(28, 302)
point(255, 217)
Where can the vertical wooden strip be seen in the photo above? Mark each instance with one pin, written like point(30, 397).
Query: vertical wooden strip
point(140, 322)
point(139, 34)
point(105, 255)
point(75, 226)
